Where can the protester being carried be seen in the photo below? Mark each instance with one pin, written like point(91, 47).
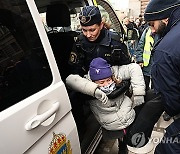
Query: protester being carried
point(112, 108)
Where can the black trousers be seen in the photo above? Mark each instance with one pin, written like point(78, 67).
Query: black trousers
point(139, 132)
point(147, 82)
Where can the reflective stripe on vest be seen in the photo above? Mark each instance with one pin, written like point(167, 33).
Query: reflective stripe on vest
point(149, 41)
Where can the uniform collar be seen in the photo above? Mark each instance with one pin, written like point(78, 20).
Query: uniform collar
point(107, 38)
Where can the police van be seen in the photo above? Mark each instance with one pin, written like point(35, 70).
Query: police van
point(36, 116)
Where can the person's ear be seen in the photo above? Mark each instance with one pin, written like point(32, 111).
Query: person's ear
point(101, 24)
point(165, 20)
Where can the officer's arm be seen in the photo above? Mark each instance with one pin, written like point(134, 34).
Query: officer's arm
point(126, 58)
point(166, 80)
point(119, 51)
point(120, 54)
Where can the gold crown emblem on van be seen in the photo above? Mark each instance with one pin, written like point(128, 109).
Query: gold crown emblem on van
point(59, 145)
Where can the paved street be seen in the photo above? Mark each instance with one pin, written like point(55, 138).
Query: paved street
point(111, 147)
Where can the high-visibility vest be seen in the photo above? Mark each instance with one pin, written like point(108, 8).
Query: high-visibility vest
point(149, 41)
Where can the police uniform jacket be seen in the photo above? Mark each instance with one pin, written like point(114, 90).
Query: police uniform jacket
point(166, 67)
point(107, 46)
point(118, 113)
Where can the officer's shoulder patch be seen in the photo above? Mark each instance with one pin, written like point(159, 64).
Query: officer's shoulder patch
point(73, 57)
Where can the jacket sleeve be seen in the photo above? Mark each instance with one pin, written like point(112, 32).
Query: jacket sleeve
point(134, 73)
point(119, 54)
point(77, 83)
point(165, 73)
point(140, 47)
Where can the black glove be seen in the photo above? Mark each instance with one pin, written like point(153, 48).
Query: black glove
point(120, 89)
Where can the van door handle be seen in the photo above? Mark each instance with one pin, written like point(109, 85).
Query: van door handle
point(37, 120)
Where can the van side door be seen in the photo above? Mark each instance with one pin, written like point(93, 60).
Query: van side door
point(35, 111)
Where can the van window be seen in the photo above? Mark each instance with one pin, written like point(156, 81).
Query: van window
point(24, 69)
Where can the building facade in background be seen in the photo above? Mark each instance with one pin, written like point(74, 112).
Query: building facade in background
point(143, 5)
point(129, 7)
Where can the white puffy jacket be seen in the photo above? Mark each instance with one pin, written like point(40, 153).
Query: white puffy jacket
point(121, 113)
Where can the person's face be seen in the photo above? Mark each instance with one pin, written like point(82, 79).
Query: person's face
point(126, 21)
point(153, 29)
point(158, 26)
point(92, 32)
point(104, 82)
point(137, 22)
point(131, 19)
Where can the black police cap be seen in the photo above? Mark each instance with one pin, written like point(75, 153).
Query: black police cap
point(90, 15)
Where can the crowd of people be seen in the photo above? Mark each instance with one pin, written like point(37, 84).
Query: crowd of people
point(134, 28)
point(103, 71)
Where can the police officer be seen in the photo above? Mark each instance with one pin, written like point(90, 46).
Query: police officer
point(96, 41)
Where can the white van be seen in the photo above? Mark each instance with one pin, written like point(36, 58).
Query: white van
point(36, 116)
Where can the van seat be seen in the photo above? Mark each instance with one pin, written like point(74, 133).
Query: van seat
point(61, 41)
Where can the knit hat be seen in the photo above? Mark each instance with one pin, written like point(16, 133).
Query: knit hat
point(90, 15)
point(160, 9)
point(99, 69)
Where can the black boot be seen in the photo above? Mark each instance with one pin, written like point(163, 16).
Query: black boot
point(122, 147)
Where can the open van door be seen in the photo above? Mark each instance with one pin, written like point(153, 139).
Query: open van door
point(35, 111)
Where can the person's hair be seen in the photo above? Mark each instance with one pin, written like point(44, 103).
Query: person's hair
point(107, 25)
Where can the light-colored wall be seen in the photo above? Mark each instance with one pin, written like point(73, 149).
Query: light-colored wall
point(133, 8)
